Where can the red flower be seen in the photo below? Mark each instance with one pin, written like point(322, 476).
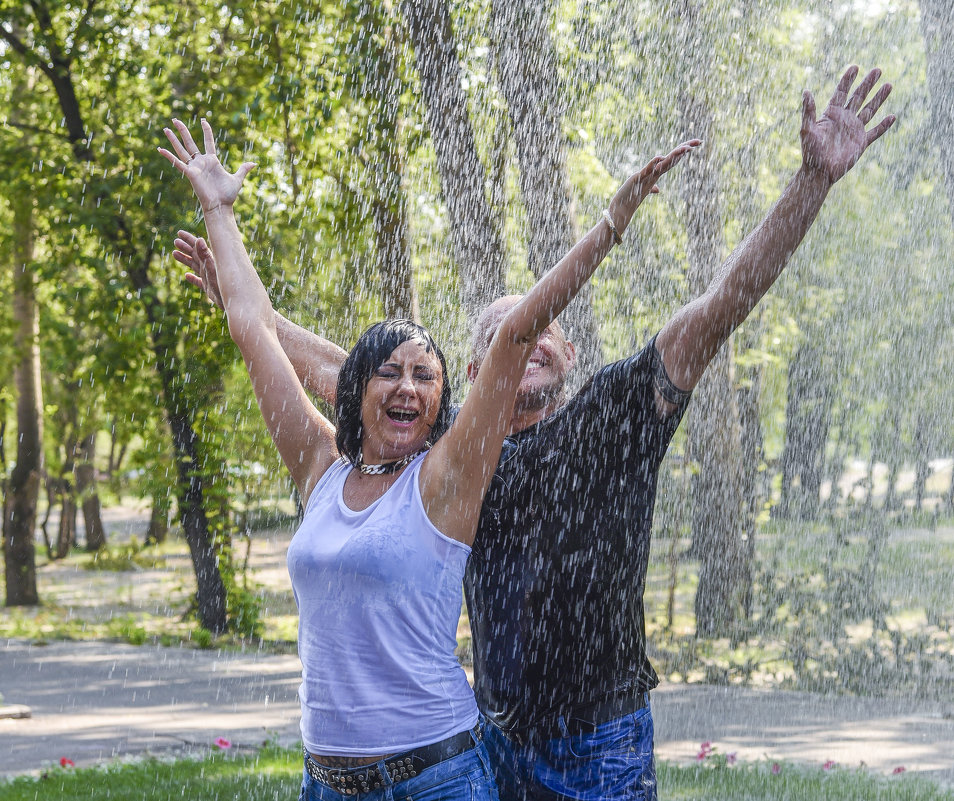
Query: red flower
point(899, 769)
point(66, 762)
point(221, 742)
point(829, 764)
point(776, 768)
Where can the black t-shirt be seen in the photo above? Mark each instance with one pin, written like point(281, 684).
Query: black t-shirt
point(555, 582)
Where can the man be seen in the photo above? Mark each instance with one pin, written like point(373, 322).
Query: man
point(556, 578)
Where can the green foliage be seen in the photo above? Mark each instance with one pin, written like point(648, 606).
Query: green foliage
point(853, 604)
point(842, 631)
point(202, 638)
point(131, 555)
point(128, 629)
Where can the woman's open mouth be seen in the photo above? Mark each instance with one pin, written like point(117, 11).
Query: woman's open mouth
point(403, 415)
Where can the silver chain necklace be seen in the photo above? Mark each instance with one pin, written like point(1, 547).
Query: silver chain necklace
point(387, 467)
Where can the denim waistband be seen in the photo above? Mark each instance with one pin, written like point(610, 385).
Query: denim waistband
point(398, 767)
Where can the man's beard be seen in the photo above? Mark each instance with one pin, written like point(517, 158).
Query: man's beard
point(536, 398)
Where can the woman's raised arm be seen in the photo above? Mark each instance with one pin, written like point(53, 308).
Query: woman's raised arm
point(303, 437)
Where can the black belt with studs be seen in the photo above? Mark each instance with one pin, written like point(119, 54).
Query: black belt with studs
point(399, 767)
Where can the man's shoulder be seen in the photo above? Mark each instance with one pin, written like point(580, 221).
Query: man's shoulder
point(618, 379)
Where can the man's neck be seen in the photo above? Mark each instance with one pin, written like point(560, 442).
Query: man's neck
point(525, 417)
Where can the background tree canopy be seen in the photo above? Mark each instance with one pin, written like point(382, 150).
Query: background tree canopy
point(419, 157)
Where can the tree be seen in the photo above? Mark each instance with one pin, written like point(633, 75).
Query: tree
point(40, 44)
point(530, 81)
point(937, 28)
point(808, 417)
point(20, 503)
point(478, 249)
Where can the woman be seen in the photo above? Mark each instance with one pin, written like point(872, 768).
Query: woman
point(392, 503)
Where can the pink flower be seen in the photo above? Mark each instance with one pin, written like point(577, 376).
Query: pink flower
point(66, 762)
point(731, 759)
point(705, 750)
point(899, 769)
point(222, 743)
point(829, 764)
point(776, 768)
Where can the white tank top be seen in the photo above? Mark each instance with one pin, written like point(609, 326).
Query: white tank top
point(379, 597)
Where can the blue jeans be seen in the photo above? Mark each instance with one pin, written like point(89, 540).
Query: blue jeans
point(465, 777)
point(614, 763)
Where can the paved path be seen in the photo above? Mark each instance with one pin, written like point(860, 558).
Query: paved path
point(98, 701)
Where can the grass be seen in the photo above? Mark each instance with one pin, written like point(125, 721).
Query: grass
point(758, 782)
point(274, 773)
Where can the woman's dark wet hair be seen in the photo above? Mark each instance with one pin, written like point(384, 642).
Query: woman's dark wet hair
point(371, 350)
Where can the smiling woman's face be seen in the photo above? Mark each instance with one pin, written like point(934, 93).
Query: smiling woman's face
point(400, 403)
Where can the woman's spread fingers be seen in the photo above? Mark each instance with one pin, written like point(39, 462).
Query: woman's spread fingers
point(191, 147)
point(208, 137)
point(176, 144)
point(176, 162)
point(188, 237)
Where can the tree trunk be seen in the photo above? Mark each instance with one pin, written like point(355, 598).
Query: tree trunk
point(478, 248)
point(66, 532)
point(869, 482)
point(89, 497)
point(949, 497)
point(158, 520)
point(715, 435)
point(389, 209)
point(4, 411)
point(922, 469)
point(807, 422)
point(893, 459)
point(937, 27)
point(752, 491)
point(19, 520)
point(529, 80)
point(190, 487)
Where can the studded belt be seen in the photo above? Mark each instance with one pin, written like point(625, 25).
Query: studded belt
point(398, 768)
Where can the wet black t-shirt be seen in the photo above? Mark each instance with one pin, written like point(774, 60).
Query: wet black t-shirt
point(555, 582)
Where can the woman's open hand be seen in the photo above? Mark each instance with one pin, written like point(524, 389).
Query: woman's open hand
point(643, 183)
point(213, 185)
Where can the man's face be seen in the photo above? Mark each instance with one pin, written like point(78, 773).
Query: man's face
point(549, 364)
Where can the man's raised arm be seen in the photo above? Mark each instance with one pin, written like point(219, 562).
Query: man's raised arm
point(830, 147)
point(315, 359)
